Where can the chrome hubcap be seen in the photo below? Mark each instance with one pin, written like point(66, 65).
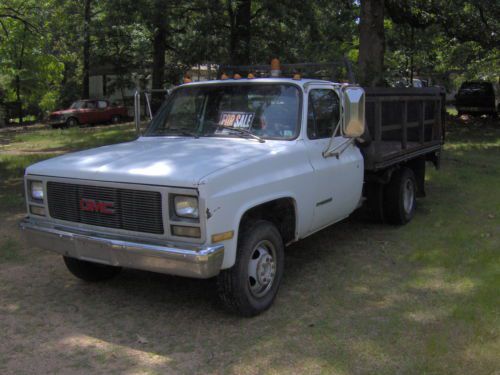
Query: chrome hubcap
point(262, 268)
point(408, 196)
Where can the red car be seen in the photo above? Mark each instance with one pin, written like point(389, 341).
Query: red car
point(92, 111)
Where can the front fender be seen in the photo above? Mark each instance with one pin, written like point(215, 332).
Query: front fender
point(224, 217)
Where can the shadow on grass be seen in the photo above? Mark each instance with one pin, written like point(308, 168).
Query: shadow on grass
point(357, 298)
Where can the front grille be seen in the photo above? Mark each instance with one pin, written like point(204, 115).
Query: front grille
point(134, 210)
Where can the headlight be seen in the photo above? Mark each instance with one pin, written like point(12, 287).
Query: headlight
point(36, 188)
point(186, 206)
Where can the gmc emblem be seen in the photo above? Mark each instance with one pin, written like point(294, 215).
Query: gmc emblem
point(92, 205)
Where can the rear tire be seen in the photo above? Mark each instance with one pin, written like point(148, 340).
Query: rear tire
point(90, 271)
point(250, 286)
point(400, 197)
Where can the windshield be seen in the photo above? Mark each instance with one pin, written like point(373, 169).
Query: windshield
point(476, 88)
point(265, 110)
point(78, 105)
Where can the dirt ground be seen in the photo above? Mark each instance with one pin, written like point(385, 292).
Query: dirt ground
point(357, 298)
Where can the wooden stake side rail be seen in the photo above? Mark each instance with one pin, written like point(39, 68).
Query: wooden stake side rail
point(402, 124)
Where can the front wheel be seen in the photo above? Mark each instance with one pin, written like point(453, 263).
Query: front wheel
point(89, 271)
point(71, 122)
point(400, 197)
point(250, 286)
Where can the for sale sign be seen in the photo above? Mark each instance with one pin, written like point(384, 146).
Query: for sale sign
point(236, 119)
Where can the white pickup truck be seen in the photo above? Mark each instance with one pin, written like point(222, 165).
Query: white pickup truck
point(228, 173)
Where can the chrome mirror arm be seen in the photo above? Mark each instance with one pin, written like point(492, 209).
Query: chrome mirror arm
point(339, 149)
point(328, 148)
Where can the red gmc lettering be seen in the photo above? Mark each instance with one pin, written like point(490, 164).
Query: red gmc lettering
point(91, 205)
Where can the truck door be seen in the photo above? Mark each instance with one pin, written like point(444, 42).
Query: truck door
point(338, 180)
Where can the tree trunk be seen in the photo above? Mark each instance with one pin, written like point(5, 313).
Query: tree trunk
point(159, 48)
point(371, 42)
point(86, 50)
point(20, 65)
point(18, 99)
point(241, 31)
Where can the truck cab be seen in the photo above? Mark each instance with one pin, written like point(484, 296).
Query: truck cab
point(227, 174)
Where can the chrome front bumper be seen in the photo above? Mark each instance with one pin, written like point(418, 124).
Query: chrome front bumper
point(196, 261)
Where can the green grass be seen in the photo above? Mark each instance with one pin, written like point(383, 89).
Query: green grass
point(357, 298)
point(18, 151)
point(453, 245)
point(71, 139)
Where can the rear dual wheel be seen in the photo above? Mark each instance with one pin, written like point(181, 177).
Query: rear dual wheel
point(400, 197)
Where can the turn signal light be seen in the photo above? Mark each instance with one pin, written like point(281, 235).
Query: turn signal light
point(36, 210)
point(222, 236)
point(275, 68)
point(275, 64)
point(182, 231)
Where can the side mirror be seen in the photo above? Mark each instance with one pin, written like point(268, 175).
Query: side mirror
point(353, 124)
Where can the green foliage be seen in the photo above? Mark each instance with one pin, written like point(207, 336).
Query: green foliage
point(41, 41)
point(446, 41)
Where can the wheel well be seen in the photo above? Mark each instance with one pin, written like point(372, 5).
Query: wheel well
point(280, 212)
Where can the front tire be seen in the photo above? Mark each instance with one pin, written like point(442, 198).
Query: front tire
point(90, 271)
point(250, 286)
point(71, 122)
point(400, 197)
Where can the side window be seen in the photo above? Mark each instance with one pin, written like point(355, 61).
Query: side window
point(323, 113)
point(90, 105)
point(101, 104)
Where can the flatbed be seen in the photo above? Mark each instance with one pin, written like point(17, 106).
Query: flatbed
point(402, 124)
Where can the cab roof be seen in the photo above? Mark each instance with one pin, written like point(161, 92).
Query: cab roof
point(230, 81)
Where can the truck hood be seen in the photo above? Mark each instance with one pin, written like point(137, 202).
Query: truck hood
point(168, 161)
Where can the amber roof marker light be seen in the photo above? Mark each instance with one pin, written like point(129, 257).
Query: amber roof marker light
point(224, 76)
point(236, 76)
point(275, 68)
point(187, 79)
point(250, 76)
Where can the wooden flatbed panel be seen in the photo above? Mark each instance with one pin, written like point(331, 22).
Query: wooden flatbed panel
point(401, 124)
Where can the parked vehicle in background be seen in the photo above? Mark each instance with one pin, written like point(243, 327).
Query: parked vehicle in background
point(231, 171)
point(92, 111)
point(477, 98)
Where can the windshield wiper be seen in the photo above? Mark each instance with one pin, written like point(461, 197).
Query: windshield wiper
point(242, 131)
